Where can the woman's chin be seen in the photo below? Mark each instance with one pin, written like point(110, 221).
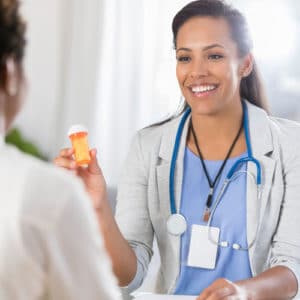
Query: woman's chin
point(205, 109)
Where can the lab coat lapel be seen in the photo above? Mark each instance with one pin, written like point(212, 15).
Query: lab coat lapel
point(163, 173)
point(262, 145)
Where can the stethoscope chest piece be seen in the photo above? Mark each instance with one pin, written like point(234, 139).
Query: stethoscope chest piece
point(176, 224)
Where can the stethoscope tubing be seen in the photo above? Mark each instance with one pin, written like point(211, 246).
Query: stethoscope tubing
point(218, 199)
point(230, 174)
point(174, 159)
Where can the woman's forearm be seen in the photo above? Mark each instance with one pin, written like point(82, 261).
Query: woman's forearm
point(277, 283)
point(123, 258)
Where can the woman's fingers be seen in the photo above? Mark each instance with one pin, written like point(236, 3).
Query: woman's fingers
point(65, 159)
point(93, 166)
point(219, 290)
point(65, 163)
point(66, 152)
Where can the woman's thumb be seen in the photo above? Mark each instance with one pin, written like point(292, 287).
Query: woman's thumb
point(93, 166)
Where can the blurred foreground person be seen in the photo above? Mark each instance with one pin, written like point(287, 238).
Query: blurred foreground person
point(50, 246)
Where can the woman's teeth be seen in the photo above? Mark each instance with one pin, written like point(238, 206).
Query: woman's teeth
point(203, 88)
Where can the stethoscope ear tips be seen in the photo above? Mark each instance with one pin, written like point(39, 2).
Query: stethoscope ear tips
point(224, 244)
point(236, 246)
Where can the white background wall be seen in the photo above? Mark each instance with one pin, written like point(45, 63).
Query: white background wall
point(43, 65)
point(48, 64)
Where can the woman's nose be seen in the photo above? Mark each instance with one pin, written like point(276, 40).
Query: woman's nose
point(198, 69)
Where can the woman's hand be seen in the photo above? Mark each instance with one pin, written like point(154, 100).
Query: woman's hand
point(223, 289)
point(92, 175)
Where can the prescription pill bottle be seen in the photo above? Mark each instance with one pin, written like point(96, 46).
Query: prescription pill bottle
point(78, 136)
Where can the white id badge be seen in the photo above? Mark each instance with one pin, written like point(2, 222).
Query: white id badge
point(203, 252)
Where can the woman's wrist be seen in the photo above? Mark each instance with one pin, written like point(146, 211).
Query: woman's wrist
point(247, 289)
point(104, 215)
point(99, 199)
point(275, 283)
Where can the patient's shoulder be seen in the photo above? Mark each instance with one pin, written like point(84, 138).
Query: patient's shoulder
point(38, 190)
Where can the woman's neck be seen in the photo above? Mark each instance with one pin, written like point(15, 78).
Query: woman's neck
point(216, 133)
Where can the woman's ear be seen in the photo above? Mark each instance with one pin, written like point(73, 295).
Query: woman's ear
point(11, 77)
point(246, 65)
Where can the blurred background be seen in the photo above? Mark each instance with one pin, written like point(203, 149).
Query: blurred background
point(110, 64)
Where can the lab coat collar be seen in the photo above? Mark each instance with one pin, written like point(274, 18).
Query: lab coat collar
point(260, 131)
point(260, 134)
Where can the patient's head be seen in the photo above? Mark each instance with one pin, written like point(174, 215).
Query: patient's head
point(12, 43)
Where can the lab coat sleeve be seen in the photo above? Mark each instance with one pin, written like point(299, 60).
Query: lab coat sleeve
point(286, 242)
point(132, 214)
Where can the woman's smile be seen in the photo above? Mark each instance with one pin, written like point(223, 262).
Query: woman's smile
point(202, 90)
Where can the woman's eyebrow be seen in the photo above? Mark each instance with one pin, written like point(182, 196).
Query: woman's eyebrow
point(212, 46)
point(183, 49)
point(204, 48)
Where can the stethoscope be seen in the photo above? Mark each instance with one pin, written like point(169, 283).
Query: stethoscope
point(176, 223)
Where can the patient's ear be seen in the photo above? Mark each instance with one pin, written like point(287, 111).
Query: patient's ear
point(12, 85)
point(11, 77)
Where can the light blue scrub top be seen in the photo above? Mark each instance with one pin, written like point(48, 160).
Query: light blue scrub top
point(230, 217)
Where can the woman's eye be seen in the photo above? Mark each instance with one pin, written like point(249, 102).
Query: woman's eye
point(215, 56)
point(183, 59)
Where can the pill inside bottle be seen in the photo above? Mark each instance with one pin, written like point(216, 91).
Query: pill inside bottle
point(78, 135)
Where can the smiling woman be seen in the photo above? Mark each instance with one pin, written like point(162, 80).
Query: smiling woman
point(217, 185)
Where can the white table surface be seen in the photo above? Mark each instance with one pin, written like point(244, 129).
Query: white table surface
point(148, 296)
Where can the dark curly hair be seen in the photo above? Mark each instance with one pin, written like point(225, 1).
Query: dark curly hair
point(12, 32)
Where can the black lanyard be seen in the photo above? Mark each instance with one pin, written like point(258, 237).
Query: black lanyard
point(211, 183)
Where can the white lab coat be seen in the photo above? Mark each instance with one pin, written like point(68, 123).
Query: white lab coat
point(143, 203)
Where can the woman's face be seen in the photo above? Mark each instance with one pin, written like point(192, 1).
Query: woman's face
point(209, 69)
